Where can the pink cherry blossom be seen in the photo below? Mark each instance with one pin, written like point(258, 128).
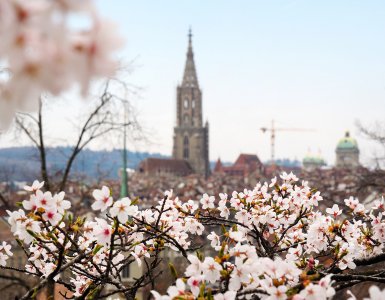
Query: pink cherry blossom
point(44, 53)
point(36, 185)
point(195, 267)
point(44, 200)
point(5, 253)
point(103, 199)
point(194, 284)
point(102, 231)
point(211, 269)
point(122, 209)
point(207, 201)
point(229, 295)
point(335, 211)
point(61, 204)
point(52, 216)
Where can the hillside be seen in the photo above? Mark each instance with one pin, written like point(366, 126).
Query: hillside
point(22, 163)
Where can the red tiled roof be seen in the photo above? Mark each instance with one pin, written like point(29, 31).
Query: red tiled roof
point(165, 165)
point(245, 164)
point(218, 166)
point(247, 159)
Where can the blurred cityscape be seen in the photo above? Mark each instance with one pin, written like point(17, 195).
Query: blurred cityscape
point(189, 170)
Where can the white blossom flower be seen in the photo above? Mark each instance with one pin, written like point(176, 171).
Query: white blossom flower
point(36, 185)
point(103, 199)
point(6, 248)
point(214, 238)
point(195, 267)
point(225, 211)
point(61, 204)
point(5, 253)
point(52, 216)
point(229, 295)
point(194, 282)
point(211, 269)
point(122, 209)
point(335, 211)
point(44, 200)
point(102, 232)
point(30, 204)
point(3, 259)
point(177, 289)
point(375, 293)
point(277, 293)
point(158, 296)
point(207, 201)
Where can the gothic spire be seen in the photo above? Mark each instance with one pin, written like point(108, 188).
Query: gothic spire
point(190, 78)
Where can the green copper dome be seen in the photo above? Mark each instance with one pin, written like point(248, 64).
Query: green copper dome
point(347, 142)
point(317, 160)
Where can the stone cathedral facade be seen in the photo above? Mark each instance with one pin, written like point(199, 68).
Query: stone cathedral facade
point(191, 137)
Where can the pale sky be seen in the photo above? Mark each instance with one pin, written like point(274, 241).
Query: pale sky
point(305, 64)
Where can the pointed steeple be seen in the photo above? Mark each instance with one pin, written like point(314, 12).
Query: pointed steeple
point(124, 179)
point(190, 78)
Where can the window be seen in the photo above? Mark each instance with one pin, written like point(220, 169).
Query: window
point(186, 103)
point(186, 153)
point(193, 103)
point(186, 119)
point(126, 271)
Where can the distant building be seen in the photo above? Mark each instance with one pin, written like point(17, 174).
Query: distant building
point(162, 166)
point(245, 165)
point(191, 138)
point(347, 152)
point(312, 162)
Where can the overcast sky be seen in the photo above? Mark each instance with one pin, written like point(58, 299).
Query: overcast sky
point(306, 64)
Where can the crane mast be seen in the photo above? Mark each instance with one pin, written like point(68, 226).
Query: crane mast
point(273, 130)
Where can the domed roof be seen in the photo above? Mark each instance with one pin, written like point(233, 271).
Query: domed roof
point(313, 160)
point(317, 160)
point(347, 143)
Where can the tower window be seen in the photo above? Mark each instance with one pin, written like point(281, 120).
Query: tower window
point(186, 153)
point(193, 103)
point(185, 103)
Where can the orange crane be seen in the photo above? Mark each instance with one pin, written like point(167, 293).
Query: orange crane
point(273, 129)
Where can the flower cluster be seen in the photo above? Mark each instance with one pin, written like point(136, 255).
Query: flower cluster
point(271, 241)
point(5, 253)
point(45, 50)
point(275, 243)
point(97, 247)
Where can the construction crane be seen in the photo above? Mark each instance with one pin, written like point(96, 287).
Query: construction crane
point(272, 130)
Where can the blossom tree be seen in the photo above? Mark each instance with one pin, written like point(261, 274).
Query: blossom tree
point(270, 242)
point(100, 120)
point(44, 50)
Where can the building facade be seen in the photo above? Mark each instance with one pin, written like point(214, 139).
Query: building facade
point(163, 166)
point(191, 137)
point(347, 152)
point(313, 162)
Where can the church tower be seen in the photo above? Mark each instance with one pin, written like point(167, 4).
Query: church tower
point(191, 140)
